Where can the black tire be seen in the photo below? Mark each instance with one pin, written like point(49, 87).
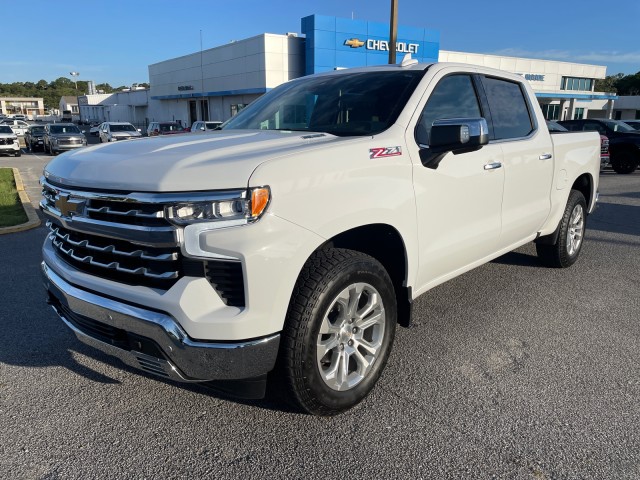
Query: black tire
point(564, 252)
point(326, 275)
point(624, 161)
point(18, 153)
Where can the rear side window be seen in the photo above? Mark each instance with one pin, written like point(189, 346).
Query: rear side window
point(509, 109)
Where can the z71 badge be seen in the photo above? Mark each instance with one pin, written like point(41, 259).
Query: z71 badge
point(384, 152)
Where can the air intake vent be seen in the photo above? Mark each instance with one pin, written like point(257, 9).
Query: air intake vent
point(227, 279)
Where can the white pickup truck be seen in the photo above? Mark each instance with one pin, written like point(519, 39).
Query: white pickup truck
point(294, 240)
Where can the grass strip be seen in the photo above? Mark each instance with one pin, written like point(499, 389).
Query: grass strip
point(11, 211)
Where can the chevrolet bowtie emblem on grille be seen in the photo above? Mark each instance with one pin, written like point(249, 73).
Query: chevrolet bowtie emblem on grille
point(354, 43)
point(69, 206)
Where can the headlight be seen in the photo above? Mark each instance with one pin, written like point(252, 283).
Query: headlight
point(237, 208)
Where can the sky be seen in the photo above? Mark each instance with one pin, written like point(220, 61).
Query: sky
point(114, 41)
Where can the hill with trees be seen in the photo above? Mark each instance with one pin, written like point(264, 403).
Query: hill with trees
point(52, 91)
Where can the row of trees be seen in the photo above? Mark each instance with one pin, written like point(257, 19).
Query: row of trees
point(52, 91)
point(620, 83)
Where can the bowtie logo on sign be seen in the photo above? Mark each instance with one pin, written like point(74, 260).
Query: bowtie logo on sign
point(382, 45)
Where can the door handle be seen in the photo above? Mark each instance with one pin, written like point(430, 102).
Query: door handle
point(492, 166)
point(545, 156)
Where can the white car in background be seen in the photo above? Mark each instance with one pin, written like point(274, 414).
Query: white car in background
point(202, 126)
point(114, 131)
point(9, 141)
point(19, 127)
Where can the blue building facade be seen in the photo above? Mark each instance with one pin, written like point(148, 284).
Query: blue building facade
point(333, 42)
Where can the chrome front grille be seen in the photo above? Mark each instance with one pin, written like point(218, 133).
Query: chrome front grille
point(6, 141)
point(116, 209)
point(69, 141)
point(117, 260)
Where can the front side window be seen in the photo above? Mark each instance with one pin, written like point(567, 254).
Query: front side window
point(453, 97)
point(509, 109)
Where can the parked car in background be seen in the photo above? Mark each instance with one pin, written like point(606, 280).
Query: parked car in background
point(555, 127)
point(9, 141)
point(95, 129)
point(33, 137)
point(19, 127)
point(59, 137)
point(19, 116)
point(164, 128)
point(114, 131)
point(635, 124)
point(202, 126)
point(624, 141)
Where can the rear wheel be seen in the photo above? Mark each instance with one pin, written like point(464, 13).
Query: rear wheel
point(624, 161)
point(565, 250)
point(338, 332)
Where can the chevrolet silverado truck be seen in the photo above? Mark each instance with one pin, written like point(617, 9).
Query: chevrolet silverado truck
point(288, 245)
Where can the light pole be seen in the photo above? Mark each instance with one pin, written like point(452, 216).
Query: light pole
point(75, 78)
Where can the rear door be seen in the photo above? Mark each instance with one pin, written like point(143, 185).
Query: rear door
point(528, 158)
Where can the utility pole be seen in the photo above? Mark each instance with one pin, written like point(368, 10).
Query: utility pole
point(393, 31)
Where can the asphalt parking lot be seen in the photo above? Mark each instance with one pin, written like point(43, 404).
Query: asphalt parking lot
point(509, 371)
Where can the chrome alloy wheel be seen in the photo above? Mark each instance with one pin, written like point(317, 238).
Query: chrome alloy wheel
point(350, 337)
point(575, 230)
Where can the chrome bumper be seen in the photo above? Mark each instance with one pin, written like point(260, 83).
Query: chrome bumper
point(153, 341)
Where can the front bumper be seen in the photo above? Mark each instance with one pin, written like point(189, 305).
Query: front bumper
point(64, 148)
point(153, 341)
point(14, 147)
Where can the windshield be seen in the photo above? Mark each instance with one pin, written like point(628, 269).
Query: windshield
point(618, 126)
point(122, 128)
point(64, 129)
point(36, 129)
point(5, 129)
point(212, 125)
point(344, 104)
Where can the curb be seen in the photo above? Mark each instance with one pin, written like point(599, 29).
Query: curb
point(33, 220)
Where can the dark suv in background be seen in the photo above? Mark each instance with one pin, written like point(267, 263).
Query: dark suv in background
point(59, 137)
point(624, 141)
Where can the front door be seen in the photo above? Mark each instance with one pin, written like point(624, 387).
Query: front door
point(458, 203)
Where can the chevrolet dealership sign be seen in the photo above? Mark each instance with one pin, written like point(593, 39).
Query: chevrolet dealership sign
point(382, 45)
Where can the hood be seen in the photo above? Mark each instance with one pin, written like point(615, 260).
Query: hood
point(219, 160)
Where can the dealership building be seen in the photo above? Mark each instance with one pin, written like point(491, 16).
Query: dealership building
point(216, 83)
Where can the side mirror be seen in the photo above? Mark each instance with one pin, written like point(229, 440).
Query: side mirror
point(140, 130)
point(202, 128)
point(455, 135)
point(156, 131)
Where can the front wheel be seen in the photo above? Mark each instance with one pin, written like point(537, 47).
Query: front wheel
point(18, 153)
point(338, 332)
point(565, 250)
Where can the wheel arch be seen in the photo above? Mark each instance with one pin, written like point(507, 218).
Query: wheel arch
point(584, 184)
point(384, 243)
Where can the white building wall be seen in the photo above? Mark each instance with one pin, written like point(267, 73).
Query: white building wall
point(545, 78)
point(552, 70)
point(232, 74)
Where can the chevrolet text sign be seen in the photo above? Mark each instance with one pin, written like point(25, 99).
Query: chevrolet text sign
point(382, 45)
